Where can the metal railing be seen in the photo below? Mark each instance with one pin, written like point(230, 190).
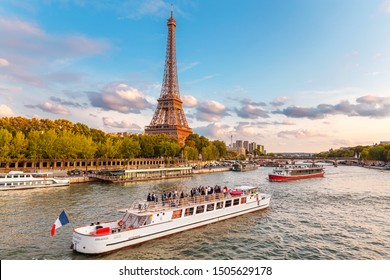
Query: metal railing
point(172, 203)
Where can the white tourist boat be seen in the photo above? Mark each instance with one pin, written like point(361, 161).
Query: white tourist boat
point(147, 220)
point(17, 180)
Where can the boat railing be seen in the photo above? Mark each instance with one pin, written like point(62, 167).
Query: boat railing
point(143, 205)
point(297, 167)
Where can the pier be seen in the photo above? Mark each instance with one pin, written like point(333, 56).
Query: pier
point(136, 175)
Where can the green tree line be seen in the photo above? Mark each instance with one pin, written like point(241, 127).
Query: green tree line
point(379, 152)
point(22, 138)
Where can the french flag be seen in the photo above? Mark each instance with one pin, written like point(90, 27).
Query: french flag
point(61, 221)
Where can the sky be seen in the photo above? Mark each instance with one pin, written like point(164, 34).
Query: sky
point(294, 76)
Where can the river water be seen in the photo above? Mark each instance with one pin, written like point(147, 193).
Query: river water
point(345, 215)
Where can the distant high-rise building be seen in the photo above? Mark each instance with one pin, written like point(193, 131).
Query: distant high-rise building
point(261, 149)
point(239, 144)
point(252, 147)
point(246, 145)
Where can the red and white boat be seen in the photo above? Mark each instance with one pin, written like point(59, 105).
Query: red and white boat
point(296, 172)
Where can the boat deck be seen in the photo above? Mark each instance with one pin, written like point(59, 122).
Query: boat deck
point(143, 207)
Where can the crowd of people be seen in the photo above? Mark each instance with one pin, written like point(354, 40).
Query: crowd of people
point(199, 191)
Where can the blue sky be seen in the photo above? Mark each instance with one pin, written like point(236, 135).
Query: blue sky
point(296, 75)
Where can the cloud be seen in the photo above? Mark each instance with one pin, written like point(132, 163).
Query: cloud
point(386, 6)
point(279, 101)
point(5, 111)
point(251, 109)
point(49, 107)
point(252, 112)
point(139, 9)
point(367, 106)
point(214, 131)
point(35, 52)
point(211, 111)
point(201, 79)
point(299, 134)
point(67, 103)
point(30, 41)
point(3, 62)
point(189, 101)
point(250, 130)
point(123, 124)
point(247, 101)
point(224, 131)
point(186, 67)
point(119, 97)
point(283, 122)
point(376, 73)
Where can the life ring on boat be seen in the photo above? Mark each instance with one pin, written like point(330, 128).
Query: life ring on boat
point(120, 223)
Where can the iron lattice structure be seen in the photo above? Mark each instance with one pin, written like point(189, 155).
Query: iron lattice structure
point(169, 116)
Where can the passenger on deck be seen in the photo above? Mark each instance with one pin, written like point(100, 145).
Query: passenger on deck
point(149, 198)
point(154, 197)
point(163, 198)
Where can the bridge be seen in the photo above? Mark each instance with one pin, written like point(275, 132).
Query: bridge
point(290, 160)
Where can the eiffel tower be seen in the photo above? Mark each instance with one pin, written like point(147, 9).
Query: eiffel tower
point(169, 116)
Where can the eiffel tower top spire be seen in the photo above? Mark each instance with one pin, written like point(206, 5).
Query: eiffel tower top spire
point(170, 86)
point(169, 116)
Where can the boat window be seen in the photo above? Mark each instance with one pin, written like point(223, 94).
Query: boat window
point(236, 201)
point(210, 207)
point(228, 203)
point(199, 209)
point(219, 205)
point(243, 200)
point(177, 214)
point(189, 211)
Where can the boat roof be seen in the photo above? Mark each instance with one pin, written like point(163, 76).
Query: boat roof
point(245, 188)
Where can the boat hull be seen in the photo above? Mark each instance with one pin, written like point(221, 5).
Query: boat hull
point(88, 244)
point(281, 178)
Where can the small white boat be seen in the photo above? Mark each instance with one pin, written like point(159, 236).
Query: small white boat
point(147, 220)
point(17, 180)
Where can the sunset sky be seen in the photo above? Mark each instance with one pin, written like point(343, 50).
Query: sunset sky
point(295, 76)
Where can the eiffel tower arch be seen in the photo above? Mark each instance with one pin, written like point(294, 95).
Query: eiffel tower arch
point(169, 116)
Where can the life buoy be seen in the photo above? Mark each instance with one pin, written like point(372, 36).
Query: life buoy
point(120, 223)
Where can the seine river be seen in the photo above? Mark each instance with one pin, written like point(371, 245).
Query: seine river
point(345, 215)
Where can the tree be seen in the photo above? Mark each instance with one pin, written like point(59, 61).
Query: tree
point(109, 149)
point(85, 147)
point(48, 145)
point(147, 143)
point(34, 149)
point(66, 146)
point(221, 146)
point(168, 148)
point(130, 147)
point(18, 145)
point(210, 152)
point(5, 144)
point(190, 153)
point(200, 141)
